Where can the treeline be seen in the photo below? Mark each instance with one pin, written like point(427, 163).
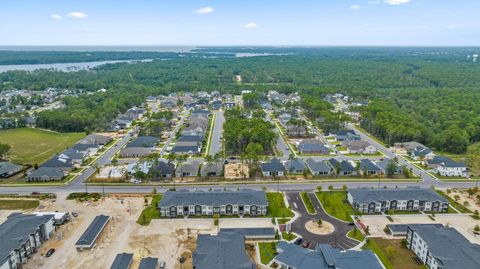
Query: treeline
point(247, 135)
point(320, 111)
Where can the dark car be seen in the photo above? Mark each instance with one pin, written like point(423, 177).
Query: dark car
point(306, 244)
point(75, 214)
point(298, 241)
point(50, 252)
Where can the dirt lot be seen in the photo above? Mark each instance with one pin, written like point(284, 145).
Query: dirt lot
point(473, 201)
point(122, 234)
point(463, 223)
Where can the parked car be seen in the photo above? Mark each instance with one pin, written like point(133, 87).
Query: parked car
point(306, 244)
point(75, 214)
point(298, 241)
point(50, 252)
point(162, 265)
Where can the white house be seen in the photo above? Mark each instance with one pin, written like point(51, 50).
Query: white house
point(451, 168)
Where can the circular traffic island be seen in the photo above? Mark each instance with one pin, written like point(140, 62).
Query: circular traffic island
point(323, 229)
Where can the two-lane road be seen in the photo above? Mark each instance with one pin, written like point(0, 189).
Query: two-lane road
point(217, 133)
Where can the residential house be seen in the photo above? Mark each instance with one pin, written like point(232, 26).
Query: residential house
point(151, 99)
point(368, 200)
point(272, 168)
point(136, 113)
point(312, 146)
point(62, 163)
point(225, 250)
point(294, 130)
point(284, 118)
point(144, 141)
point(162, 170)
point(383, 165)
point(451, 168)
point(324, 257)
point(187, 169)
point(22, 235)
point(143, 167)
point(46, 174)
point(319, 168)
point(421, 153)
point(440, 247)
point(369, 168)
point(101, 140)
point(187, 150)
point(185, 203)
point(346, 135)
point(213, 169)
point(8, 169)
point(87, 149)
point(359, 147)
point(295, 166)
point(406, 147)
point(73, 155)
point(216, 105)
point(342, 168)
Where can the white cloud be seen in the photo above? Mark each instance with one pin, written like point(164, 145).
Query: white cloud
point(77, 15)
point(397, 2)
point(355, 7)
point(204, 10)
point(55, 17)
point(373, 2)
point(250, 25)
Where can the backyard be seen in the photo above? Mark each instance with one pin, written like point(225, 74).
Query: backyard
point(34, 146)
point(334, 202)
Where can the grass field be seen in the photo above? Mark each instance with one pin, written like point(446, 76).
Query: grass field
point(34, 146)
point(356, 234)
point(277, 207)
point(334, 203)
point(268, 250)
point(288, 236)
point(15, 204)
point(150, 212)
point(392, 254)
point(308, 203)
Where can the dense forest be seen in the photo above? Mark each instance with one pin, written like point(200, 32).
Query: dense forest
point(428, 94)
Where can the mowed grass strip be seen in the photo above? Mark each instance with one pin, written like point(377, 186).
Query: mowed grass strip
point(268, 251)
point(277, 207)
point(150, 212)
point(34, 146)
point(14, 204)
point(308, 203)
point(334, 202)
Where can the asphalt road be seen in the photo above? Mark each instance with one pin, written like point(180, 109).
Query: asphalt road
point(172, 135)
point(216, 145)
point(338, 238)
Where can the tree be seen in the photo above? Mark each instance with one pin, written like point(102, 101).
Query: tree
point(344, 187)
point(171, 157)
point(319, 222)
point(391, 168)
point(253, 152)
point(456, 197)
point(477, 228)
point(330, 188)
point(319, 188)
point(4, 150)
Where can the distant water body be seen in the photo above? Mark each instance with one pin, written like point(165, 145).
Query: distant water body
point(65, 67)
point(99, 48)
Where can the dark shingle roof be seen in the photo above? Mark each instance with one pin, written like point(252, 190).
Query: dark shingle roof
point(312, 146)
point(143, 141)
point(295, 164)
point(226, 250)
point(51, 172)
point(6, 167)
point(252, 232)
point(122, 261)
point(148, 263)
point(273, 166)
point(367, 165)
point(345, 166)
point(93, 230)
point(366, 195)
point(214, 198)
point(190, 138)
point(183, 149)
point(55, 162)
point(320, 166)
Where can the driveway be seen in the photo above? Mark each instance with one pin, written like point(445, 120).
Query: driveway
point(336, 239)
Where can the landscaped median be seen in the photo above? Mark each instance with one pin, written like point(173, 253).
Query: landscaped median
point(308, 203)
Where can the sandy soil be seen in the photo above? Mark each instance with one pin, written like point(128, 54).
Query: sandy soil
point(463, 223)
point(473, 202)
point(325, 228)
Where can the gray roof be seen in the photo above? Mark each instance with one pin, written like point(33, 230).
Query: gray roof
point(148, 263)
point(55, 162)
point(355, 144)
point(122, 261)
point(450, 248)
point(226, 250)
point(140, 151)
point(96, 139)
point(73, 154)
point(446, 162)
point(215, 167)
point(190, 167)
point(84, 146)
point(16, 230)
point(367, 195)
point(214, 198)
point(421, 151)
point(368, 165)
point(384, 164)
point(186, 149)
point(252, 232)
point(295, 164)
point(345, 166)
point(6, 167)
point(190, 138)
point(143, 141)
point(162, 168)
point(273, 166)
point(402, 228)
point(51, 172)
point(325, 257)
point(93, 230)
point(311, 146)
point(320, 166)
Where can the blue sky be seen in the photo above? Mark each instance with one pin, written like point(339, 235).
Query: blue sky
point(240, 22)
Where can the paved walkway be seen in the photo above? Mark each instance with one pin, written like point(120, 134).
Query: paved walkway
point(336, 239)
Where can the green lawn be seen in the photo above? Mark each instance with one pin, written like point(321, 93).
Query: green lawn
point(268, 251)
point(15, 204)
point(283, 221)
point(277, 207)
point(453, 203)
point(308, 203)
point(334, 202)
point(34, 146)
point(150, 212)
point(356, 234)
point(288, 236)
point(399, 257)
